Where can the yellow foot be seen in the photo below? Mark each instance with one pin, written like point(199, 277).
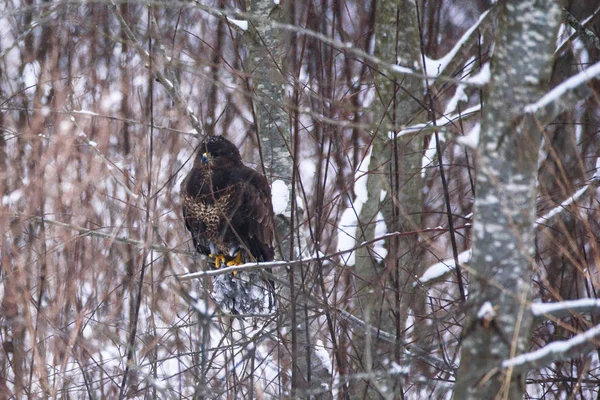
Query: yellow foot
point(236, 261)
point(219, 259)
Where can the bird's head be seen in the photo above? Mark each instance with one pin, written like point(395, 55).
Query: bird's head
point(216, 150)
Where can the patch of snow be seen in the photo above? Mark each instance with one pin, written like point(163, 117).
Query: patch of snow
point(349, 220)
point(361, 177)
point(482, 78)
point(443, 267)
point(140, 80)
point(379, 251)
point(471, 139)
point(437, 67)
point(347, 232)
point(243, 25)
point(382, 195)
point(323, 355)
point(31, 74)
point(11, 198)
point(402, 70)
point(486, 311)
point(111, 101)
point(397, 369)
point(64, 127)
point(459, 96)
point(428, 157)
point(580, 49)
point(307, 170)
point(280, 196)
point(201, 306)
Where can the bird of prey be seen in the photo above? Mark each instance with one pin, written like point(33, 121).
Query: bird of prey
point(227, 209)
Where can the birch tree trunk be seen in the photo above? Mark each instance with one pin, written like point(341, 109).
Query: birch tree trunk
point(384, 289)
point(268, 49)
point(503, 231)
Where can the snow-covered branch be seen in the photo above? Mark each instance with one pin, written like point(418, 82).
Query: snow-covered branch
point(565, 87)
point(252, 266)
point(439, 66)
point(582, 25)
point(559, 350)
point(444, 267)
point(579, 27)
point(391, 338)
point(568, 201)
point(566, 308)
point(440, 122)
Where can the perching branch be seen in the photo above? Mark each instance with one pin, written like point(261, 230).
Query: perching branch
point(222, 271)
point(275, 264)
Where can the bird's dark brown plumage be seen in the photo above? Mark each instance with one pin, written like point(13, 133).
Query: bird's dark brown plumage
point(227, 206)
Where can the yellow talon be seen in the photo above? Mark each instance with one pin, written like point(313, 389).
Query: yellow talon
point(236, 261)
point(219, 259)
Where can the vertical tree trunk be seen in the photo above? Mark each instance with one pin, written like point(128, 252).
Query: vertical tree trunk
point(267, 51)
point(384, 289)
point(503, 231)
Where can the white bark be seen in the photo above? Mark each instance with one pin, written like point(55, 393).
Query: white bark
point(267, 50)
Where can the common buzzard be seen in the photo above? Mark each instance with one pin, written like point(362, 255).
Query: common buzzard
point(227, 208)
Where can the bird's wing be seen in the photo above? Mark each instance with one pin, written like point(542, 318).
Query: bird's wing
point(256, 211)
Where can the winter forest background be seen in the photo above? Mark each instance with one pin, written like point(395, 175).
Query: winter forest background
point(434, 167)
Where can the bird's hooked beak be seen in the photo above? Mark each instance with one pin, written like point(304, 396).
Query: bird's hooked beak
point(204, 158)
